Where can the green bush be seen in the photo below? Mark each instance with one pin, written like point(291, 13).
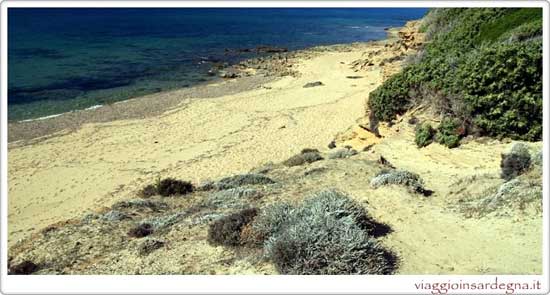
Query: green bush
point(486, 66)
point(513, 20)
point(503, 86)
point(390, 100)
point(448, 133)
point(424, 135)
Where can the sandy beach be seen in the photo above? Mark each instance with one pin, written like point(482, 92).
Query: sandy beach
point(198, 139)
point(223, 129)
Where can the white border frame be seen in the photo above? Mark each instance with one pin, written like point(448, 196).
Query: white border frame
point(255, 284)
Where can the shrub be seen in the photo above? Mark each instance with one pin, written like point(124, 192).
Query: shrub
point(115, 215)
point(271, 220)
point(231, 198)
point(148, 191)
point(309, 150)
point(514, 163)
point(303, 158)
point(536, 159)
point(391, 99)
point(412, 181)
point(339, 206)
point(140, 204)
point(448, 133)
point(327, 234)
point(141, 230)
point(171, 187)
point(524, 32)
point(26, 267)
point(342, 154)
point(149, 245)
point(321, 245)
point(424, 135)
point(227, 230)
point(241, 180)
point(161, 222)
point(512, 197)
point(486, 66)
point(502, 85)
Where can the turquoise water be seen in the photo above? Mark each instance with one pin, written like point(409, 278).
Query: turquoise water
point(66, 59)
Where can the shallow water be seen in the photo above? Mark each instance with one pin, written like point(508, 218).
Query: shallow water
point(65, 59)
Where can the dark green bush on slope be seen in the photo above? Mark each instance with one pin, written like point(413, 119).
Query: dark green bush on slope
point(424, 135)
point(448, 133)
point(486, 64)
point(503, 86)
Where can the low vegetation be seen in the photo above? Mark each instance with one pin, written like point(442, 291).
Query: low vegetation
point(342, 153)
point(141, 230)
point(515, 162)
point(26, 267)
point(238, 181)
point(485, 67)
point(448, 133)
point(305, 157)
point(227, 230)
point(231, 198)
point(424, 135)
point(412, 181)
point(327, 234)
point(518, 190)
point(167, 187)
point(149, 245)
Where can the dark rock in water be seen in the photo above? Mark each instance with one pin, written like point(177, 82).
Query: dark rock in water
point(270, 49)
point(332, 144)
point(24, 268)
point(140, 231)
point(150, 245)
point(211, 72)
point(313, 84)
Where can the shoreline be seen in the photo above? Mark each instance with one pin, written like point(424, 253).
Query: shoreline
point(250, 73)
point(204, 134)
